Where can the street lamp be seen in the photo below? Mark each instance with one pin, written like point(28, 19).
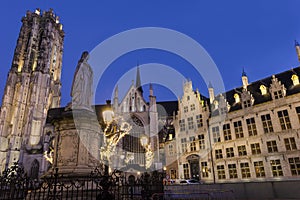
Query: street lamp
point(144, 143)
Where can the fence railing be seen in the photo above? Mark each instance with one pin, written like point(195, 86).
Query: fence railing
point(99, 185)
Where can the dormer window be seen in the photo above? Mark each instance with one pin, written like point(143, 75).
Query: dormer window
point(277, 89)
point(263, 89)
point(295, 79)
point(247, 99)
point(247, 103)
point(216, 103)
point(278, 94)
point(237, 98)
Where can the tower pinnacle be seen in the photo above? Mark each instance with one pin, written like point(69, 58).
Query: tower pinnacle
point(138, 80)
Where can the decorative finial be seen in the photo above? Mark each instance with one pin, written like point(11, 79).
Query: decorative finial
point(244, 73)
point(210, 85)
point(296, 43)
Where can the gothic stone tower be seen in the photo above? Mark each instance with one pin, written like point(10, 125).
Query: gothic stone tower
point(32, 88)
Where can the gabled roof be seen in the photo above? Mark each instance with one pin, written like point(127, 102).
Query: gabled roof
point(254, 89)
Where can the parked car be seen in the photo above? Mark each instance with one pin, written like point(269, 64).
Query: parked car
point(189, 182)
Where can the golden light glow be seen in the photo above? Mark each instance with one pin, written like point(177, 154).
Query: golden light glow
point(115, 130)
point(49, 156)
point(263, 89)
point(295, 79)
point(237, 98)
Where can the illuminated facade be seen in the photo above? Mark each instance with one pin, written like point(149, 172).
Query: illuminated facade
point(32, 88)
point(250, 133)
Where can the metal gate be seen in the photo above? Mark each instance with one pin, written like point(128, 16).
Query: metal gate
point(99, 185)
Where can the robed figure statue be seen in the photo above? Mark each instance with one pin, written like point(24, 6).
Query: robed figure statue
point(82, 84)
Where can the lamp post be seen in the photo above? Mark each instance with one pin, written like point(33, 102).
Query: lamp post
point(108, 116)
point(144, 143)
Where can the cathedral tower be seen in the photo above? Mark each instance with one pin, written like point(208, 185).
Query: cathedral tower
point(32, 88)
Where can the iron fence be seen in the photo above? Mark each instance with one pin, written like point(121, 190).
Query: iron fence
point(99, 185)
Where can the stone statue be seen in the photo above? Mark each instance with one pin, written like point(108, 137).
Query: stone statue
point(82, 84)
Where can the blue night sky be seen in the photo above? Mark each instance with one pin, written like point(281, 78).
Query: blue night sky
point(256, 35)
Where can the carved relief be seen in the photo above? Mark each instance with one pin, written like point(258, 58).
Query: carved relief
point(68, 148)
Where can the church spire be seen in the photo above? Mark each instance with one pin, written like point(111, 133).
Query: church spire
point(138, 80)
point(297, 46)
point(244, 79)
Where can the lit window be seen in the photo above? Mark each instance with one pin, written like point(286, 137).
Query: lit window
point(238, 129)
point(232, 171)
point(221, 172)
point(290, 144)
point(295, 79)
point(267, 123)
point(237, 98)
point(284, 119)
point(245, 170)
point(204, 169)
point(272, 146)
point(255, 149)
point(251, 126)
point(276, 168)
point(259, 169)
point(226, 132)
point(263, 89)
point(295, 166)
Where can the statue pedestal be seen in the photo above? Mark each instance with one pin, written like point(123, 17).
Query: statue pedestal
point(78, 140)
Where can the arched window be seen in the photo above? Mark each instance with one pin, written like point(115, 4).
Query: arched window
point(34, 171)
